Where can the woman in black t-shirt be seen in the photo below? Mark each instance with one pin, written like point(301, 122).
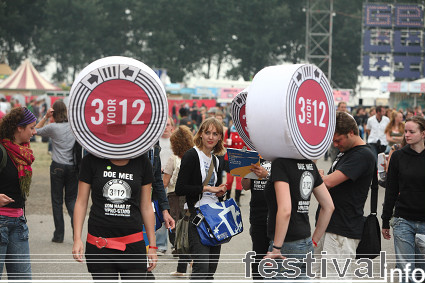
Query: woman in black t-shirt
point(121, 197)
point(288, 199)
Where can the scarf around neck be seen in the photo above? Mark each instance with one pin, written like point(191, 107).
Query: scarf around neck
point(22, 157)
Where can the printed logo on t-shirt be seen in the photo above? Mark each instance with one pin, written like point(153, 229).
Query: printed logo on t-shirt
point(117, 191)
point(306, 184)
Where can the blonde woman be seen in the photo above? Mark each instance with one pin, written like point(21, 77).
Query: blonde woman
point(193, 172)
point(395, 129)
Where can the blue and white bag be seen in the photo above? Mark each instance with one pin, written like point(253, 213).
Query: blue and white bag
point(221, 221)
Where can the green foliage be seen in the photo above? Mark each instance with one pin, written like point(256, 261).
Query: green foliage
point(19, 20)
point(181, 36)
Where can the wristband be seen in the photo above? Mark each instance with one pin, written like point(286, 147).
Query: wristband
point(314, 243)
point(277, 248)
point(152, 247)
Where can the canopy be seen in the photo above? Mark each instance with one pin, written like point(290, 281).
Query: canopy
point(26, 77)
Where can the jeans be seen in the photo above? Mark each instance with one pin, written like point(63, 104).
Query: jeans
point(293, 250)
point(14, 248)
point(205, 259)
point(404, 243)
point(162, 238)
point(62, 176)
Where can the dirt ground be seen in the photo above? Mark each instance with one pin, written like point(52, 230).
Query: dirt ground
point(39, 201)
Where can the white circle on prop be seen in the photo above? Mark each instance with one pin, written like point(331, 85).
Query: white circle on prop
point(290, 112)
point(117, 108)
point(239, 117)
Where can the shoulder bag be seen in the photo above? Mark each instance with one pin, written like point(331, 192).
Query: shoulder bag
point(218, 222)
point(370, 243)
point(181, 241)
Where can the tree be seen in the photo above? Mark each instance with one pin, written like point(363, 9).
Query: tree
point(19, 20)
point(259, 37)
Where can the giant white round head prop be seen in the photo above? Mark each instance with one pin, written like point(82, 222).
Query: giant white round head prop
point(239, 117)
point(290, 112)
point(117, 108)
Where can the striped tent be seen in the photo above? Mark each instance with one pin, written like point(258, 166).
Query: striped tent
point(26, 78)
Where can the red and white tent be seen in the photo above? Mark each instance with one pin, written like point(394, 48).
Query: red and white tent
point(27, 78)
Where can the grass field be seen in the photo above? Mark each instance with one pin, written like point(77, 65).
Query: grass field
point(39, 201)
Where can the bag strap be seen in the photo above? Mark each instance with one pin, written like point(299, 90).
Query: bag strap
point(210, 171)
point(4, 158)
point(374, 192)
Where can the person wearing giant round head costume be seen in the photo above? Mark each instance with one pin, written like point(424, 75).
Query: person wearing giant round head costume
point(290, 117)
point(117, 111)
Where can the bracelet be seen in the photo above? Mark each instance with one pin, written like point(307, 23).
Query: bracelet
point(153, 247)
point(314, 243)
point(277, 248)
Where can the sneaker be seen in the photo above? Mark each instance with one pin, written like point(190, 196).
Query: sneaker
point(178, 274)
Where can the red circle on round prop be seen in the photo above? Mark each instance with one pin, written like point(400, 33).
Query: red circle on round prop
point(312, 111)
point(118, 111)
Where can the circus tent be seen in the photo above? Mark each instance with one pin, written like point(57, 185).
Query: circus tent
point(26, 80)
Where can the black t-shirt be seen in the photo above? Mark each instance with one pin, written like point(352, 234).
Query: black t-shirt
point(9, 184)
point(302, 177)
point(115, 190)
point(258, 204)
point(349, 197)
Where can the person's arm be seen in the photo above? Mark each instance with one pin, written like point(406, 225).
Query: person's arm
point(166, 179)
point(368, 126)
point(46, 117)
point(334, 179)
point(158, 191)
point(246, 184)
point(387, 164)
point(149, 222)
point(284, 207)
point(5, 200)
point(168, 171)
point(80, 210)
point(391, 194)
point(326, 209)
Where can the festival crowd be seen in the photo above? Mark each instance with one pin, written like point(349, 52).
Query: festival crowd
point(189, 167)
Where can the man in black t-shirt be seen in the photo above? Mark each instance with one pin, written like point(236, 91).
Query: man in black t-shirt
point(348, 181)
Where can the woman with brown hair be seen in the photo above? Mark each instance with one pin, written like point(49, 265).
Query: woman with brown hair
point(395, 129)
point(193, 172)
point(16, 130)
point(181, 141)
point(404, 205)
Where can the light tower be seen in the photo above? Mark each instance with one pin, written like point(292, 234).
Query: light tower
point(319, 22)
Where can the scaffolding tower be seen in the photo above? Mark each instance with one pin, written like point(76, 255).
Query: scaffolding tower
point(319, 22)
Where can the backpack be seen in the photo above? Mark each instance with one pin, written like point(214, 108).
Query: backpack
point(3, 161)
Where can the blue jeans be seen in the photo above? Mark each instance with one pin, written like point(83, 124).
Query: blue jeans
point(162, 238)
point(62, 177)
point(293, 250)
point(404, 243)
point(14, 248)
